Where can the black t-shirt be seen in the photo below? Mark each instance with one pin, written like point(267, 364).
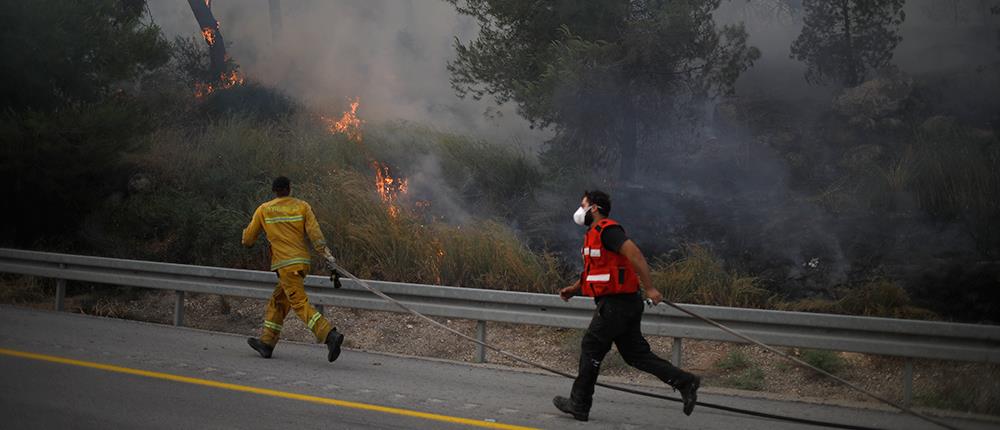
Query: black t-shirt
point(613, 237)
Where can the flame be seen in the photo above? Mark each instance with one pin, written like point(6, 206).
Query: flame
point(389, 187)
point(226, 80)
point(349, 124)
point(209, 34)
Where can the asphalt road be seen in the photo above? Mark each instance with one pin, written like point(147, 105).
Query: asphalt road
point(61, 370)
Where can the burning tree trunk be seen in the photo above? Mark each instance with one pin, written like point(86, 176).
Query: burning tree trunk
point(210, 30)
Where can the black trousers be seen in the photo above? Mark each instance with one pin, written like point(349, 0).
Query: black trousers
point(617, 320)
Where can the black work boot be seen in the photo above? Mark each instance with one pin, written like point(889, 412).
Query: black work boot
point(262, 348)
point(689, 393)
point(566, 405)
point(333, 341)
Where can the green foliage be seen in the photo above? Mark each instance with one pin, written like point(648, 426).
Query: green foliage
point(701, 278)
point(843, 41)
point(65, 126)
point(735, 360)
point(58, 166)
point(251, 100)
point(608, 75)
point(751, 378)
point(72, 51)
point(205, 185)
point(829, 361)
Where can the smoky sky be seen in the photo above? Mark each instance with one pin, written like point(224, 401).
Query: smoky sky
point(725, 190)
point(391, 53)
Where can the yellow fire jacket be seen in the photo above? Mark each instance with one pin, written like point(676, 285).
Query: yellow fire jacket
point(286, 221)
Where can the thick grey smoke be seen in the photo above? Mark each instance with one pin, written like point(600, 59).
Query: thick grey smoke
point(716, 183)
point(390, 53)
point(731, 189)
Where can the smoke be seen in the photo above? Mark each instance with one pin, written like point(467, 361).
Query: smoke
point(390, 53)
point(750, 195)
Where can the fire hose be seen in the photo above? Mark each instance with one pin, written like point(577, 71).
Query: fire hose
point(337, 271)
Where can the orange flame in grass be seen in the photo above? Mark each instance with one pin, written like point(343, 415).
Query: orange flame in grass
point(389, 187)
point(226, 80)
point(349, 124)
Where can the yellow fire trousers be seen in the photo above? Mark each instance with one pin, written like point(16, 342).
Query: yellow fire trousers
point(291, 294)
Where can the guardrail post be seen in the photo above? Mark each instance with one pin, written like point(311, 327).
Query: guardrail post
point(179, 308)
point(481, 336)
point(675, 352)
point(908, 382)
point(60, 294)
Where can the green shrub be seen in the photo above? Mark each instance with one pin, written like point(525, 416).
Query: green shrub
point(735, 360)
point(742, 372)
point(251, 100)
point(751, 378)
point(828, 361)
point(60, 166)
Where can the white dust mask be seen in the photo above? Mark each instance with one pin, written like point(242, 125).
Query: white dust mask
point(580, 216)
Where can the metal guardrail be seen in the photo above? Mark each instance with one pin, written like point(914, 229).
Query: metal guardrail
point(883, 336)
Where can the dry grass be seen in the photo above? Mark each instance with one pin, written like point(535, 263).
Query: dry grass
point(701, 278)
point(207, 182)
point(879, 298)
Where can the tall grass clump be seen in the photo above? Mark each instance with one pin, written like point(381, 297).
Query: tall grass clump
point(877, 298)
point(489, 255)
point(403, 247)
point(495, 179)
point(700, 277)
point(957, 178)
point(196, 187)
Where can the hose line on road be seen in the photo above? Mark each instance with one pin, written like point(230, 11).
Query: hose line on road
point(660, 396)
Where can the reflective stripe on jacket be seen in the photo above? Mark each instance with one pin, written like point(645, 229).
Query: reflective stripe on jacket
point(605, 272)
point(286, 221)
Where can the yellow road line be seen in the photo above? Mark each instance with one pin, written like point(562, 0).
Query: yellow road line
point(261, 391)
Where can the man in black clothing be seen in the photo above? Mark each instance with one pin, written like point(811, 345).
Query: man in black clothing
point(614, 269)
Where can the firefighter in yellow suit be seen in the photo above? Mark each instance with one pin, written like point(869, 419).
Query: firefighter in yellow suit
point(287, 221)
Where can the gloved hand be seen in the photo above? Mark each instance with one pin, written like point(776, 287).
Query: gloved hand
point(331, 263)
point(335, 278)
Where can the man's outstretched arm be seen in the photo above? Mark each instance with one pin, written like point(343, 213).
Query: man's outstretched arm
point(631, 251)
point(252, 232)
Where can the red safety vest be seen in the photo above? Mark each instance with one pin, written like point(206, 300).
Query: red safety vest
point(604, 271)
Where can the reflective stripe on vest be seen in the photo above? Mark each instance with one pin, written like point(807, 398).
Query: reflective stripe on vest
point(291, 261)
point(605, 272)
point(278, 219)
point(599, 278)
